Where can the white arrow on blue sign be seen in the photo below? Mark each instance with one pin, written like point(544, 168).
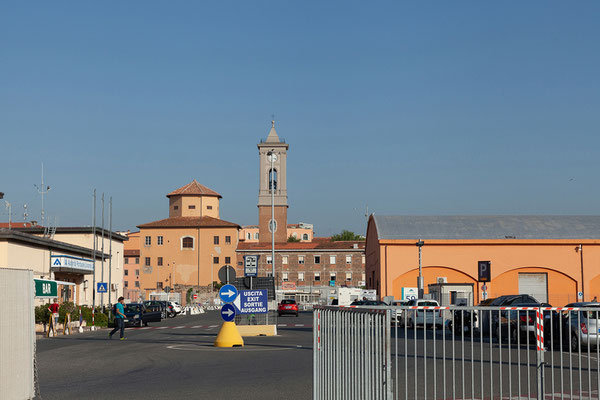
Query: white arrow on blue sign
point(102, 287)
point(251, 302)
point(228, 293)
point(228, 312)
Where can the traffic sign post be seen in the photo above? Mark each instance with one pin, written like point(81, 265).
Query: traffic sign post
point(228, 312)
point(226, 274)
point(228, 293)
point(252, 302)
point(102, 287)
point(251, 265)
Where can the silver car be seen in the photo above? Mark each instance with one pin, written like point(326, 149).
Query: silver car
point(581, 328)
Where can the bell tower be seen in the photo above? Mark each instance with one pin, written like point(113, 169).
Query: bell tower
point(273, 187)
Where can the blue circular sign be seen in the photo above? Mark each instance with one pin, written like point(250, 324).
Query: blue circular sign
point(228, 293)
point(228, 312)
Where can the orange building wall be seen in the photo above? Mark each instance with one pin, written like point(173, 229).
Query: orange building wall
point(395, 264)
point(180, 266)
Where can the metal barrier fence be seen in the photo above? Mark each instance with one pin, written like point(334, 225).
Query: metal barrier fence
point(456, 352)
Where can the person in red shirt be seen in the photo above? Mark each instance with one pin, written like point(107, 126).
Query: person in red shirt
point(54, 310)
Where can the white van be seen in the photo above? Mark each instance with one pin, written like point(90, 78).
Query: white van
point(424, 318)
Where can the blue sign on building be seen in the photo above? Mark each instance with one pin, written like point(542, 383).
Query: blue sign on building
point(102, 287)
point(252, 302)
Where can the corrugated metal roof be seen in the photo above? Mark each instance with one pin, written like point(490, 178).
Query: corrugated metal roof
point(488, 227)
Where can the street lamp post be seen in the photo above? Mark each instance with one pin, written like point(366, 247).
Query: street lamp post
point(272, 158)
point(420, 283)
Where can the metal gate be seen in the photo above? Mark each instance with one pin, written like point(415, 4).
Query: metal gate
point(445, 352)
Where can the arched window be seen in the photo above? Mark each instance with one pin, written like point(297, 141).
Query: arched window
point(249, 236)
point(273, 179)
point(187, 242)
point(256, 236)
point(305, 236)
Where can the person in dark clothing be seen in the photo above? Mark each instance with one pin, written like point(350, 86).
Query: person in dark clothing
point(119, 319)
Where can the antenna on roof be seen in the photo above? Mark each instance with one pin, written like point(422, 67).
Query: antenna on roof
point(42, 189)
point(25, 214)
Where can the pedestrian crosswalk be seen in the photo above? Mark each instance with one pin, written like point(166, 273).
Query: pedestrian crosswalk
point(213, 327)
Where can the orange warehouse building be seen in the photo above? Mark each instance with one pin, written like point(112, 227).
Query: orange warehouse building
point(554, 258)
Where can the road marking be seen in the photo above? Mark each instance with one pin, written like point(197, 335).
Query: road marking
point(180, 327)
point(197, 326)
point(162, 327)
point(213, 326)
point(146, 327)
point(299, 324)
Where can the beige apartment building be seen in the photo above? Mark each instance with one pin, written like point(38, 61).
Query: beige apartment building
point(131, 270)
point(188, 248)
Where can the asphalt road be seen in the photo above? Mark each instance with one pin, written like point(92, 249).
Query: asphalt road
point(176, 359)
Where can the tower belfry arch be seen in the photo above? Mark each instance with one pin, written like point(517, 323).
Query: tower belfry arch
point(272, 186)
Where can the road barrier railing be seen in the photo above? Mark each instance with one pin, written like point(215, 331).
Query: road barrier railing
point(456, 352)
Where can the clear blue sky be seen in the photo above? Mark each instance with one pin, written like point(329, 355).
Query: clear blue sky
point(463, 107)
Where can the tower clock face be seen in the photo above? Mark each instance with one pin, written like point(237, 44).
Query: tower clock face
point(272, 157)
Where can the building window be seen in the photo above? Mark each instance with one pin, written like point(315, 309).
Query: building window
point(269, 260)
point(148, 241)
point(126, 284)
point(300, 259)
point(126, 260)
point(317, 259)
point(137, 272)
point(126, 272)
point(348, 276)
point(317, 276)
point(285, 276)
point(363, 260)
point(305, 236)
point(249, 235)
point(269, 273)
point(209, 207)
point(227, 239)
point(215, 260)
point(273, 179)
point(147, 261)
point(349, 259)
point(227, 260)
point(159, 285)
point(187, 242)
point(284, 259)
point(363, 276)
point(159, 240)
point(137, 260)
point(137, 283)
point(256, 236)
point(160, 261)
point(216, 240)
point(175, 207)
point(192, 207)
point(301, 276)
point(332, 277)
point(331, 259)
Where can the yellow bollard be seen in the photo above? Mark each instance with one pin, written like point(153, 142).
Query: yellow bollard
point(50, 332)
point(229, 336)
point(67, 330)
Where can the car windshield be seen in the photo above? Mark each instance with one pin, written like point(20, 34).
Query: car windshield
point(288, 301)
point(428, 303)
point(133, 308)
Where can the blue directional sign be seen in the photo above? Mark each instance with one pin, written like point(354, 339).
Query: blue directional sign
point(252, 302)
point(102, 287)
point(228, 312)
point(228, 293)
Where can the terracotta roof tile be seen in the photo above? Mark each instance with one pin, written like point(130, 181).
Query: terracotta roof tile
point(194, 189)
point(190, 222)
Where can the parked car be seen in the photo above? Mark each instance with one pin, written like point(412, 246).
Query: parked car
point(368, 303)
point(520, 325)
point(287, 306)
point(501, 301)
point(166, 310)
point(137, 314)
point(581, 328)
point(424, 318)
point(176, 307)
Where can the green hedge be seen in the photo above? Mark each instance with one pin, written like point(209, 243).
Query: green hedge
point(42, 314)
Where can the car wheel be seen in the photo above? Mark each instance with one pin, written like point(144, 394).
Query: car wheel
point(574, 343)
point(163, 315)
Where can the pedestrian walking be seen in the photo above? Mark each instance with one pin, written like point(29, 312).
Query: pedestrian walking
point(54, 307)
point(119, 319)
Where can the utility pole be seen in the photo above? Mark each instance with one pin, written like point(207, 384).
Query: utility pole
point(42, 190)
point(110, 249)
point(102, 271)
point(94, 252)
point(420, 283)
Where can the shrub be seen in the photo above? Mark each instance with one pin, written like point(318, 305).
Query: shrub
point(42, 314)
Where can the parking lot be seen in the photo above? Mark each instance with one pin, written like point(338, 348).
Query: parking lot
point(175, 358)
